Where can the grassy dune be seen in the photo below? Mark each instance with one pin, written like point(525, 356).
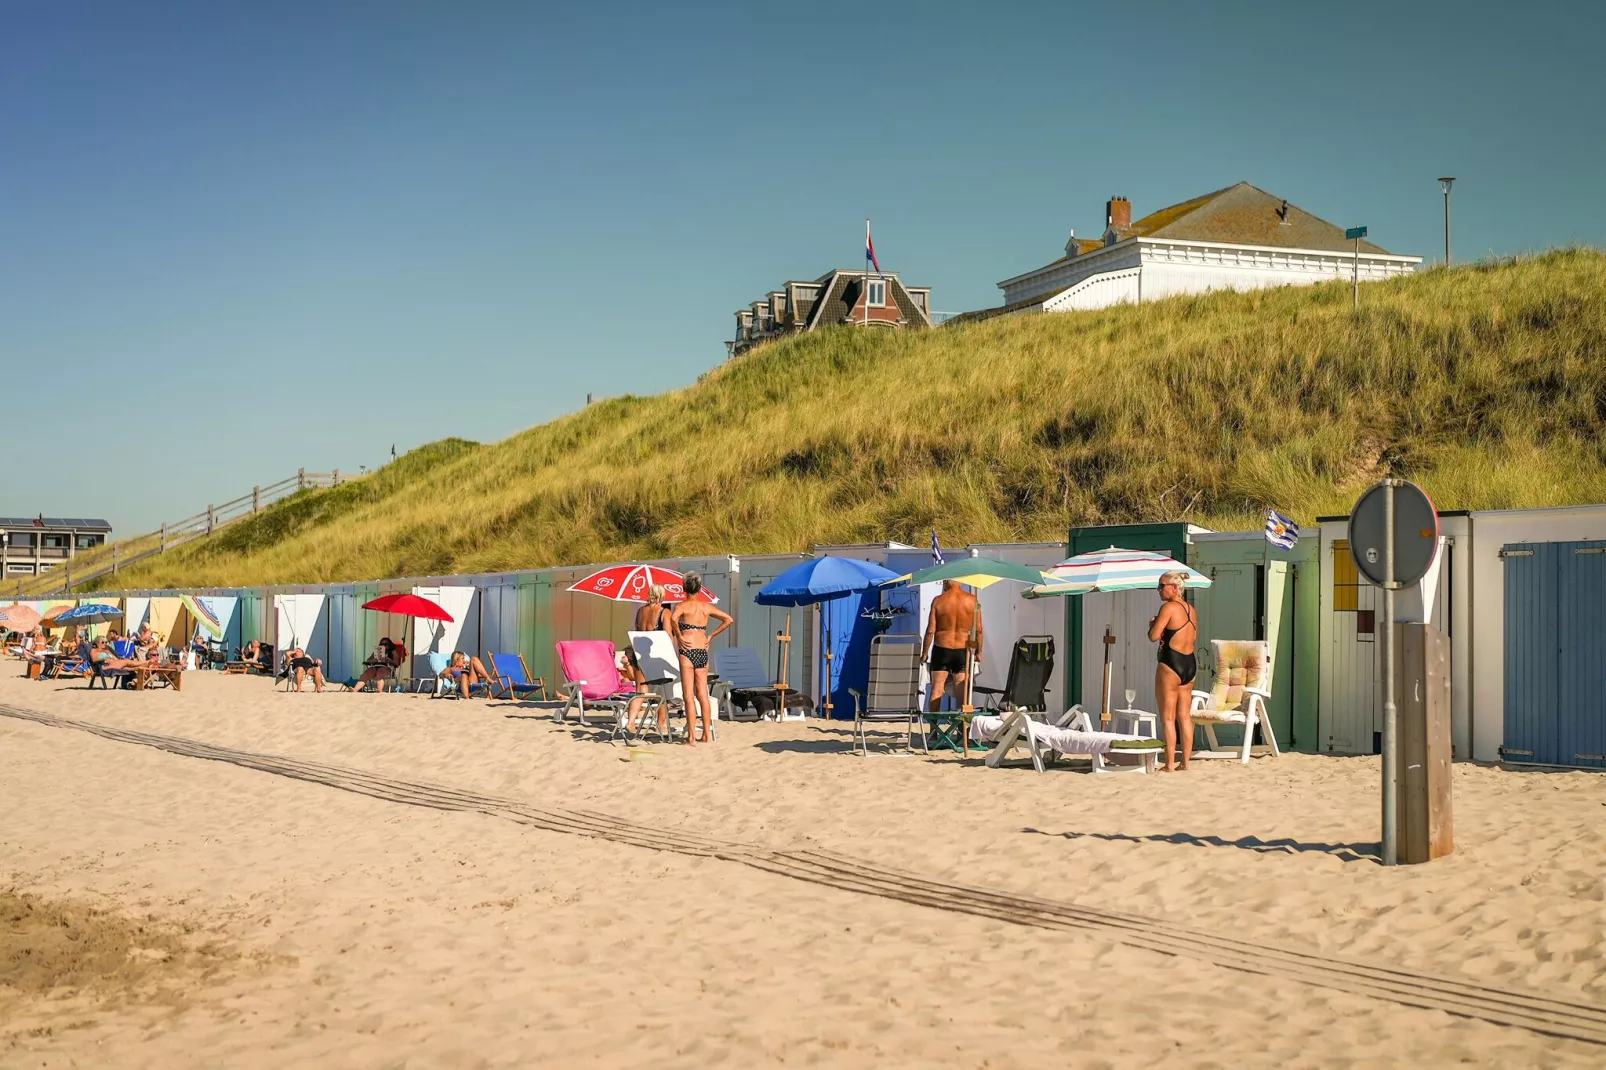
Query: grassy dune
point(1486, 383)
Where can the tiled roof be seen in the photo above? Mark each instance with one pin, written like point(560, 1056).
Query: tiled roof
point(81, 523)
point(1245, 215)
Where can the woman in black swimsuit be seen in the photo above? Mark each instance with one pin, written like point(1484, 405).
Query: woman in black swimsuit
point(1177, 631)
point(689, 626)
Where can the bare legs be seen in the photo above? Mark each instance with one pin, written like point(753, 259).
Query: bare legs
point(939, 688)
point(694, 692)
point(1174, 698)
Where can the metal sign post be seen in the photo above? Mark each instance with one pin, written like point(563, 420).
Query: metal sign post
point(1393, 525)
point(1357, 233)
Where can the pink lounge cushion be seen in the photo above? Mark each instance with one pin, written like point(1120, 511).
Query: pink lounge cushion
point(1240, 664)
point(591, 660)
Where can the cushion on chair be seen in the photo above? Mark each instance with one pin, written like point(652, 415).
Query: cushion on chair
point(1240, 664)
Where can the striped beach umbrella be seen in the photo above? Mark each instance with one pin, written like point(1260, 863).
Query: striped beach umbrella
point(1115, 569)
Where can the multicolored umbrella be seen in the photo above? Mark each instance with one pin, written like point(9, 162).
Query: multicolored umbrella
point(973, 572)
point(95, 613)
point(1115, 569)
point(631, 583)
point(203, 615)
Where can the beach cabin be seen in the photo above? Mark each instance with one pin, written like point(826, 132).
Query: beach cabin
point(1350, 703)
point(1260, 592)
point(1537, 578)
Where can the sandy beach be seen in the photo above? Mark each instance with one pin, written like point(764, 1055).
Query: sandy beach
point(268, 920)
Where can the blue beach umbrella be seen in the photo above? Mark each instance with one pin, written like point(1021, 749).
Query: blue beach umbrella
point(98, 613)
point(822, 579)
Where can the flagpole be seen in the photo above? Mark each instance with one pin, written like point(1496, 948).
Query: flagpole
point(868, 261)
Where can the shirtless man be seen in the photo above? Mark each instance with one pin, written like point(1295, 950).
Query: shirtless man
point(947, 636)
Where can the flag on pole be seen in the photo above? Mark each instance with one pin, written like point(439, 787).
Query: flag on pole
point(869, 249)
point(1281, 532)
point(936, 551)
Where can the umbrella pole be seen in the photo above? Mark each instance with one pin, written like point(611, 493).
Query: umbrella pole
point(829, 657)
point(783, 656)
point(1104, 705)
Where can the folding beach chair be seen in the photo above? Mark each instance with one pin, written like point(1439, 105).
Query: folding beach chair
point(434, 676)
point(893, 692)
point(591, 679)
point(745, 685)
point(510, 677)
point(75, 664)
point(1243, 684)
point(1031, 664)
point(1109, 752)
point(98, 671)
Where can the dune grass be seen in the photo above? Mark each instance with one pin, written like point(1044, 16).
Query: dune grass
point(1487, 384)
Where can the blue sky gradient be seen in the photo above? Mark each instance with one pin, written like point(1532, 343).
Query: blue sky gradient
point(251, 238)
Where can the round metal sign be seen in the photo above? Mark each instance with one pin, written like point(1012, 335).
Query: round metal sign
point(1416, 533)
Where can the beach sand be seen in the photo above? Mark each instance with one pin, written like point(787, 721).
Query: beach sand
point(277, 921)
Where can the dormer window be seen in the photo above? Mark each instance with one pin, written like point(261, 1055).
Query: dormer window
point(876, 293)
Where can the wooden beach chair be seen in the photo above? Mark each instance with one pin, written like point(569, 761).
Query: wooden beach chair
point(892, 693)
point(511, 677)
point(1243, 684)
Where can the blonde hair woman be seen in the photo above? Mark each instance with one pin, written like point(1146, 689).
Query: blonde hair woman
point(1177, 631)
point(652, 617)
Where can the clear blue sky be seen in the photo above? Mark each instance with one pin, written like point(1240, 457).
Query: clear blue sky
point(251, 237)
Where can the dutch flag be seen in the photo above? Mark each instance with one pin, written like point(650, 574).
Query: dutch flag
point(1281, 532)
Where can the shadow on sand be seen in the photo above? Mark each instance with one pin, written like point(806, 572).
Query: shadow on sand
point(1348, 852)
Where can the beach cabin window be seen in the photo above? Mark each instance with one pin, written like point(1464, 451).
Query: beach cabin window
point(1346, 579)
point(13, 566)
point(21, 538)
point(55, 542)
point(85, 542)
point(877, 290)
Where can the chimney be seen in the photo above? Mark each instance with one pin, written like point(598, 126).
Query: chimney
point(1118, 212)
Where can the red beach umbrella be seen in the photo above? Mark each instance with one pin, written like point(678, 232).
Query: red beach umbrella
point(408, 605)
point(630, 583)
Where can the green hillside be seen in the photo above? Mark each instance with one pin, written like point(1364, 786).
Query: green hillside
point(1486, 383)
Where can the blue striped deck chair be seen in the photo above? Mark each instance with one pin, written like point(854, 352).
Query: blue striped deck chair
point(512, 677)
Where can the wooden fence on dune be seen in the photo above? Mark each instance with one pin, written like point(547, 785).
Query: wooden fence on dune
point(107, 559)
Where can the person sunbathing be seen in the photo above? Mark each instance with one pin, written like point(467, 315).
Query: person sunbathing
point(296, 658)
point(381, 664)
point(467, 671)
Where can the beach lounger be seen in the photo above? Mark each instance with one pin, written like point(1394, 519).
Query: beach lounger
point(1108, 752)
point(1243, 684)
point(591, 679)
point(1031, 664)
point(511, 677)
point(744, 685)
point(893, 691)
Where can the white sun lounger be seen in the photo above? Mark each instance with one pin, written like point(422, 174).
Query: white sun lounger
point(1046, 742)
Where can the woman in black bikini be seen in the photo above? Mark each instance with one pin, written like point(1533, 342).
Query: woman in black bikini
point(689, 626)
point(1177, 631)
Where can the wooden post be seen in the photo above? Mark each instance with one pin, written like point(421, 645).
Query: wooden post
point(211, 515)
point(256, 499)
point(301, 479)
point(164, 537)
point(1425, 829)
point(334, 478)
point(114, 557)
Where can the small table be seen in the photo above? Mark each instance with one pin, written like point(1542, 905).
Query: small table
point(1140, 720)
point(172, 674)
point(950, 729)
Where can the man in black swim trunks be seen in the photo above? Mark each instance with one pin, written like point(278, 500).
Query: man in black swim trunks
point(954, 614)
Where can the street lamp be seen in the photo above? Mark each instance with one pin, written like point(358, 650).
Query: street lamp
point(1444, 183)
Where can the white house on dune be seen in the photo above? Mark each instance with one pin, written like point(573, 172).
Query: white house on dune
point(1238, 238)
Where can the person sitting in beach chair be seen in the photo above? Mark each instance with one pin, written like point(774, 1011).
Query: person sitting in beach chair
point(300, 666)
point(468, 674)
point(104, 665)
point(381, 665)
